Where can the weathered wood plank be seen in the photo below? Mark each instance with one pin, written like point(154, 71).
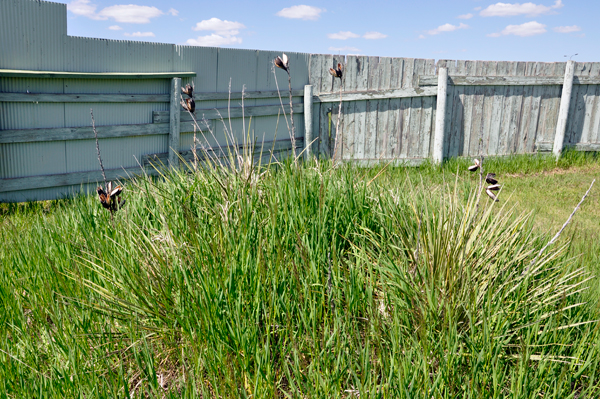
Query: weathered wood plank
point(315, 77)
point(578, 106)
point(427, 121)
point(516, 114)
point(326, 62)
point(565, 102)
point(360, 120)
point(490, 68)
point(546, 125)
point(383, 117)
point(591, 105)
point(83, 98)
point(404, 116)
point(258, 148)
point(174, 122)
point(534, 115)
point(431, 80)
point(477, 118)
point(374, 76)
point(546, 146)
point(376, 94)
point(467, 105)
point(336, 136)
point(68, 179)
point(393, 144)
point(348, 109)
point(456, 114)
point(521, 144)
point(81, 133)
point(218, 113)
point(14, 73)
point(440, 121)
point(507, 116)
point(416, 134)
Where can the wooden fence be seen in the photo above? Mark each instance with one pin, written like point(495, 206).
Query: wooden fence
point(496, 108)
point(49, 81)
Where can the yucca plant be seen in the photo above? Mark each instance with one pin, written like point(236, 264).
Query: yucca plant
point(448, 267)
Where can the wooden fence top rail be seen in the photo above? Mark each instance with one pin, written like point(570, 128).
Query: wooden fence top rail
point(376, 94)
point(134, 98)
point(432, 80)
point(16, 73)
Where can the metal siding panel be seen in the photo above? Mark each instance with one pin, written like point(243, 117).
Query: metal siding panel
point(47, 193)
point(46, 26)
point(116, 152)
point(28, 159)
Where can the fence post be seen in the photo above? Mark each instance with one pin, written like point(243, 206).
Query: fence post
point(440, 117)
point(174, 123)
point(563, 113)
point(308, 122)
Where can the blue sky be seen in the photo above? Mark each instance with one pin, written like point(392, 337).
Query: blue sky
point(542, 30)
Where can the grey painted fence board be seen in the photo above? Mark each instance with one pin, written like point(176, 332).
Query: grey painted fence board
point(219, 152)
point(491, 68)
point(391, 139)
point(590, 102)
point(67, 179)
point(405, 104)
point(431, 80)
point(360, 107)
point(83, 98)
point(81, 133)
point(92, 75)
point(237, 112)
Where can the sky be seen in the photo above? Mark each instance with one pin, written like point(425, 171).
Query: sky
point(542, 30)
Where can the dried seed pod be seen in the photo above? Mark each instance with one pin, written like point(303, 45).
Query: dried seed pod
point(491, 178)
point(104, 200)
point(188, 89)
point(491, 195)
point(337, 72)
point(473, 168)
point(280, 64)
point(190, 105)
point(494, 187)
point(116, 191)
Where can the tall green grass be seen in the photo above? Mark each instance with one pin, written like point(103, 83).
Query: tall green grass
point(290, 282)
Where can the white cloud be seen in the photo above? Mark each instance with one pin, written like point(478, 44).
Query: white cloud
point(421, 36)
point(465, 16)
point(477, 8)
point(83, 8)
point(173, 12)
point(527, 29)
point(221, 28)
point(566, 29)
point(374, 35)
point(115, 27)
point(140, 34)
point(214, 40)
point(130, 13)
point(447, 28)
point(342, 35)
point(301, 12)
point(224, 33)
point(529, 9)
point(345, 50)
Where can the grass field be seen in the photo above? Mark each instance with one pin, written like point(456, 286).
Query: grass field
point(309, 282)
